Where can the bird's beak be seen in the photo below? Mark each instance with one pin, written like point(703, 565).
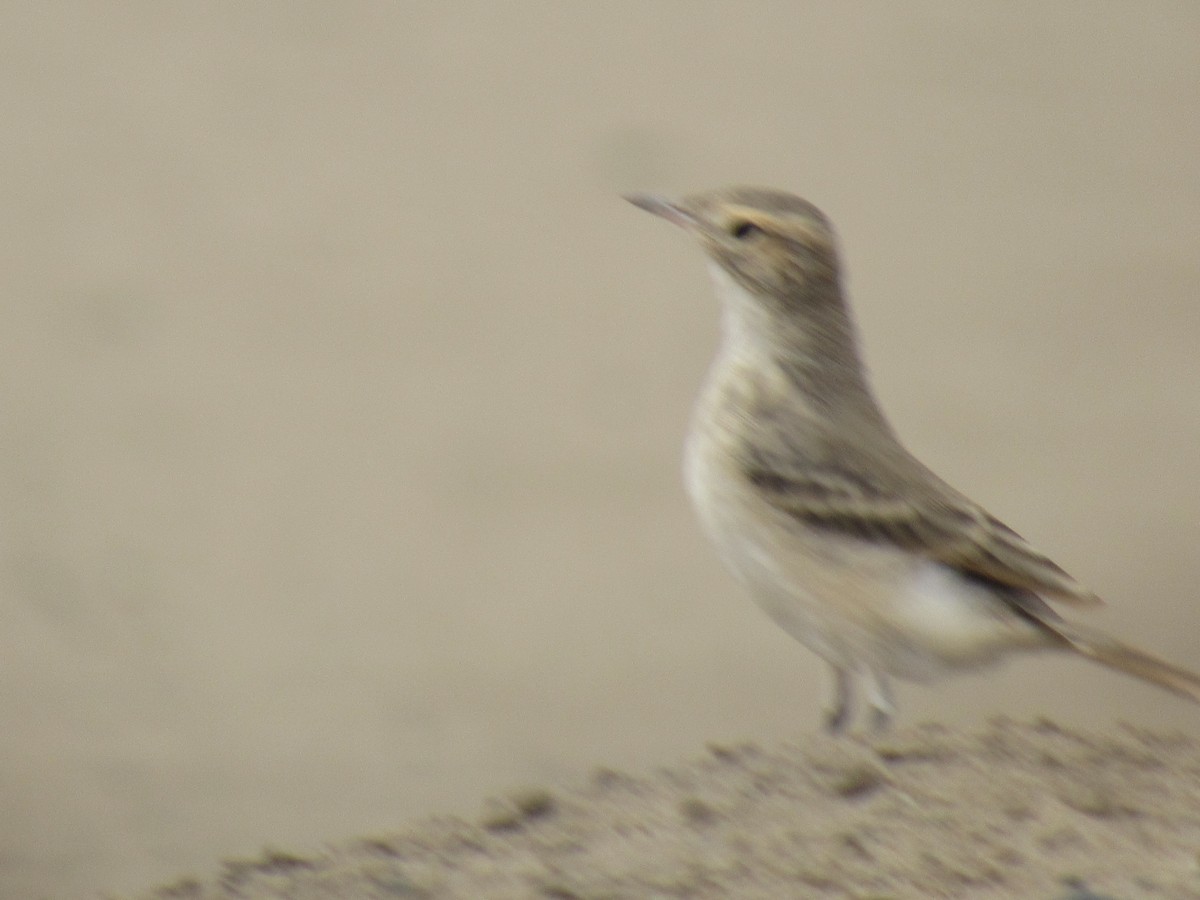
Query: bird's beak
point(661, 206)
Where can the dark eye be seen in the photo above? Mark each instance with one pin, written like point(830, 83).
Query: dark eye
point(743, 229)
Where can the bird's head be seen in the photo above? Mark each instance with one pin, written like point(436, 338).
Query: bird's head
point(773, 244)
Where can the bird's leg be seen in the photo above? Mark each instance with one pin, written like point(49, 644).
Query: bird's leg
point(880, 699)
point(841, 701)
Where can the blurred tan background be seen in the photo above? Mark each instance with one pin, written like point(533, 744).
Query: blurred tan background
point(342, 397)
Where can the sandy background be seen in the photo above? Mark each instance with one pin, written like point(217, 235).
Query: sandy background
point(342, 398)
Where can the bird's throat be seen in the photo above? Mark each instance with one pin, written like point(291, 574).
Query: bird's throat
point(809, 340)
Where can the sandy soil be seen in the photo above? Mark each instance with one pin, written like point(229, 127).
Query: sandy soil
point(1013, 811)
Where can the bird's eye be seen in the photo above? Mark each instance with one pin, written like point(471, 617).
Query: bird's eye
point(743, 229)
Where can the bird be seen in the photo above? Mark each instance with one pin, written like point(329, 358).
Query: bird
point(844, 538)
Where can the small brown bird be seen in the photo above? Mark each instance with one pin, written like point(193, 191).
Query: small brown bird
point(844, 538)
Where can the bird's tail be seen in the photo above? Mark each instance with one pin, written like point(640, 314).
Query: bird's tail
point(1096, 645)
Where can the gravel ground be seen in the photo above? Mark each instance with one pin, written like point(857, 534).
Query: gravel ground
point(1017, 810)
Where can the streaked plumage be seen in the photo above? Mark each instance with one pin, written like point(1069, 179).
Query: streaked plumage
point(848, 541)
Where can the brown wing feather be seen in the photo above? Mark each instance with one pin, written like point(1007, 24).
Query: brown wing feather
point(924, 515)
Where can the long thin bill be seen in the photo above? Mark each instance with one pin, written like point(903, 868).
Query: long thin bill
point(661, 206)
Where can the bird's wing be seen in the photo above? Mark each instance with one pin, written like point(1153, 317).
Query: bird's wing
point(923, 515)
